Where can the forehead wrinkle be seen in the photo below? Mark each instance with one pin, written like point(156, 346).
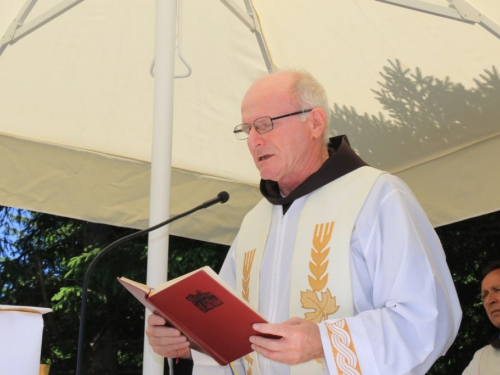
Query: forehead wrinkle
point(268, 96)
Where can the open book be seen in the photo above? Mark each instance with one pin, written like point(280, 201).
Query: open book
point(215, 320)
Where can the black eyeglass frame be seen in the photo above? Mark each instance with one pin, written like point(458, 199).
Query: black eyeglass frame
point(236, 131)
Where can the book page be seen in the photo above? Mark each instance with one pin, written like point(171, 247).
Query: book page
point(136, 284)
point(149, 290)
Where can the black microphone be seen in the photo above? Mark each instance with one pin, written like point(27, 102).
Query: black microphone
point(222, 197)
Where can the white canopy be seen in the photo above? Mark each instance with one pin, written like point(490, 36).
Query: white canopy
point(76, 103)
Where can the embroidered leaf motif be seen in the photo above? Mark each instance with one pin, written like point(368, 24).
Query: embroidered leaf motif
point(250, 364)
point(319, 257)
point(318, 284)
point(322, 308)
point(322, 235)
point(247, 267)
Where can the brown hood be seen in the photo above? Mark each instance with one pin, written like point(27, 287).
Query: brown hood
point(342, 160)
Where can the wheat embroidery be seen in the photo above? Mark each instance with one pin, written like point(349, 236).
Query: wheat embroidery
point(326, 306)
point(247, 267)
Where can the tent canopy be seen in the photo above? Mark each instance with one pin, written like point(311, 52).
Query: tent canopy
point(417, 94)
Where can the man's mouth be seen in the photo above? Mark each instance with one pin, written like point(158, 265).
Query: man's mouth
point(264, 157)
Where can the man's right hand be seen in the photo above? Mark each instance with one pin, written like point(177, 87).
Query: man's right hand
point(166, 341)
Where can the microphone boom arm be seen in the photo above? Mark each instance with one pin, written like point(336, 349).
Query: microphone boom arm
point(222, 197)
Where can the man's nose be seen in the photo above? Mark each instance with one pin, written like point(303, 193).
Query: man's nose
point(254, 138)
point(490, 298)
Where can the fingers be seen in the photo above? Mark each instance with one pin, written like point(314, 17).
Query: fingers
point(273, 349)
point(293, 321)
point(300, 342)
point(271, 329)
point(166, 341)
point(156, 320)
point(170, 346)
point(278, 350)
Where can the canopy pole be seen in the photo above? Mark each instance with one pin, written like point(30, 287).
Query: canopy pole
point(17, 29)
point(460, 10)
point(161, 159)
point(251, 21)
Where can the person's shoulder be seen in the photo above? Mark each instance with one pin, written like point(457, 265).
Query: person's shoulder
point(490, 349)
point(486, 347)
point(473, 366)
point(388, 183)
point(480, 352)
point(390, 194)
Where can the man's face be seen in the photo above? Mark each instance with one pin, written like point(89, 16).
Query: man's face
point(283, 154)
point(490, 292)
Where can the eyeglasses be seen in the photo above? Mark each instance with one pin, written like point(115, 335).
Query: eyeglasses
point(261, 125)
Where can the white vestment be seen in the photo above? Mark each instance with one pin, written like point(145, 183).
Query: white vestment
point(407, 312)
point(486, 361)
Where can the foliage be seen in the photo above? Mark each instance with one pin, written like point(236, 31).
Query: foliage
point(45, 258)
point(50, 255)
point(43, 262)
point(470, 246)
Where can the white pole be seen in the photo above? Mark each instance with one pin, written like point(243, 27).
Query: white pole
point(161, 158)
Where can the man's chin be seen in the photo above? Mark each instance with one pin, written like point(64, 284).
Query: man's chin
point(495, 319)
point(268, 175)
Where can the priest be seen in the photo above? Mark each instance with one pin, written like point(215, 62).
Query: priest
point(338, 256)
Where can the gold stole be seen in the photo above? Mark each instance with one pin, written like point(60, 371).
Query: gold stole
point(320, 289)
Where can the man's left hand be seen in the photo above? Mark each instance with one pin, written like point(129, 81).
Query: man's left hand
point(300, 342)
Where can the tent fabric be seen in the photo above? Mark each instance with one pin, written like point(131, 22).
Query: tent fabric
point(76, 105)
point(111, 190)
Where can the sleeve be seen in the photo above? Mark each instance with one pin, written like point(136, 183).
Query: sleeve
point(407, 311)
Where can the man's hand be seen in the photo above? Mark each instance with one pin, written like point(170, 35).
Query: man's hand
point(166, 341)
point(300, 342)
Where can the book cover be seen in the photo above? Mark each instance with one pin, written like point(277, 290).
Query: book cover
point(205, 309)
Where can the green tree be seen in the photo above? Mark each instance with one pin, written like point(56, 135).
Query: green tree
point(115, 321)
point(44, 258)
point(470, 245)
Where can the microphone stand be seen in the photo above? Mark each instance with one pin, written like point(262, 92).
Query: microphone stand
point(222, 197)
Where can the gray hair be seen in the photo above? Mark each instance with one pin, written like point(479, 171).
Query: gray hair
point(310, 94)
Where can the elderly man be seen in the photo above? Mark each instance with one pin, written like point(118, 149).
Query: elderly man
point(486, 361)
point(338, 256)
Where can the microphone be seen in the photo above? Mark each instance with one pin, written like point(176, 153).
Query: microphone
point(222, 197)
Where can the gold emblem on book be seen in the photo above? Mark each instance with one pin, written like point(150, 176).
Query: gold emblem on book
point(245, 292)
point(326, 306)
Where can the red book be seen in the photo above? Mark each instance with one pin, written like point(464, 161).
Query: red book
point(215, 320)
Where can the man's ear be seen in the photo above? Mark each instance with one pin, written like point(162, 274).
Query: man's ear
point(318, 117)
